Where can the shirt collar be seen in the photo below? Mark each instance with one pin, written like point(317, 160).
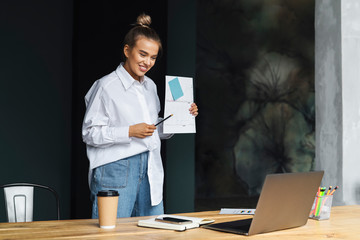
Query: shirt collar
point(126, 79)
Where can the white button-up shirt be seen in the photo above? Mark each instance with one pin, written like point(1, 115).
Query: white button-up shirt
point(114, 103)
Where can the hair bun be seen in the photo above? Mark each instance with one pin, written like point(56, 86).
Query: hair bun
point(143, 20)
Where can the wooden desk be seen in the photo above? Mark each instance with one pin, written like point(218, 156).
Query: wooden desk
point(344, 223)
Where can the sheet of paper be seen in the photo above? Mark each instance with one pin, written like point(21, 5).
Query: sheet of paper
point(181, 121)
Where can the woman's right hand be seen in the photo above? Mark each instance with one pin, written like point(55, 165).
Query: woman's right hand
point(141, 130)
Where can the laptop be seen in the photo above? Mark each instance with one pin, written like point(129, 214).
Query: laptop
point(285, 202)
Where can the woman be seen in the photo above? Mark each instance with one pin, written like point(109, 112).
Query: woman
point(123, 144)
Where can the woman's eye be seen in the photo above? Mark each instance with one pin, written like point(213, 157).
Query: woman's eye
point(141, 54)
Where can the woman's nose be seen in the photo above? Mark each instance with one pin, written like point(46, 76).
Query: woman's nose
point(147, 61)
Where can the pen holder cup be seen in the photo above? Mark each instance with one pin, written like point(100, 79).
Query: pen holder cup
point(321, 208)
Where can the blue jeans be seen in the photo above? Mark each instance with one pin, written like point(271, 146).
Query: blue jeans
point(129, 177)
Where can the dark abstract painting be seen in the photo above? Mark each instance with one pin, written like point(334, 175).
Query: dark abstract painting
point(255, 91)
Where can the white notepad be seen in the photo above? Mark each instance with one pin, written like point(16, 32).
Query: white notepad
point(152, 223)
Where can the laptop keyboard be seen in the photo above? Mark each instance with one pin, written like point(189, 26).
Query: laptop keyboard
point(233, 226)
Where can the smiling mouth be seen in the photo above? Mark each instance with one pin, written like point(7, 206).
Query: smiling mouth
point(143, 68)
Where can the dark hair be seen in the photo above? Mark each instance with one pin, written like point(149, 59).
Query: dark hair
point(141, 29)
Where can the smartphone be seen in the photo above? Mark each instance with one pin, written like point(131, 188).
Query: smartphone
point(173, 220)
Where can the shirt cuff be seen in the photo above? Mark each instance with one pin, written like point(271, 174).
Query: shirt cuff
point(121, 134)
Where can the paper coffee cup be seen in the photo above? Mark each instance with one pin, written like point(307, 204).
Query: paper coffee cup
point(107, 208)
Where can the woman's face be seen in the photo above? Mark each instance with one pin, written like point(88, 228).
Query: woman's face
point(141, 58)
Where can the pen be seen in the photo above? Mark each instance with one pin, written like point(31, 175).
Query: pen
point(332, 192)
point(164, 119)
point(328, 194)
point(329, 190)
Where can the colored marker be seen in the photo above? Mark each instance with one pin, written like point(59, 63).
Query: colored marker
point(164, 119)
point(322, 192)
point(329, 190)
point(332, 192)
point(316, 202)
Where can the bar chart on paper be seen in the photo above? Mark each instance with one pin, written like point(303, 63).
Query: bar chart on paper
point(178, 99)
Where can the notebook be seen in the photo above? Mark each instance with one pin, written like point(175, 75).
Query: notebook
point(285, 202)
point(194, 222)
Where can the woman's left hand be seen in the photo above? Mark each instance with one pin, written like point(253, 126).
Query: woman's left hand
point(194, 109)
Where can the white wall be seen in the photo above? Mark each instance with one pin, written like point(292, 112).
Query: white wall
point(337, 86)
point(350, 33)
